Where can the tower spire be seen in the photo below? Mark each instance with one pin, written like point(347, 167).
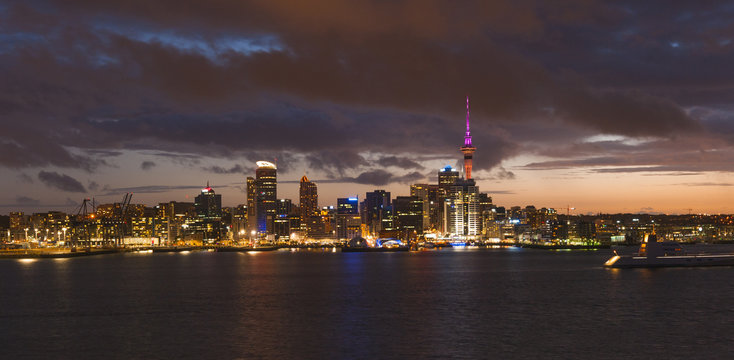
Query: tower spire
point(468, 149)
point(467, 136)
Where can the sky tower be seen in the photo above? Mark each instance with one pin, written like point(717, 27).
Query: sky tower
point(467, 149)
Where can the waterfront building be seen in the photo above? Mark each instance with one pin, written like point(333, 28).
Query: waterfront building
point(408, 216)
point(251, 207)
point(208, 207)
point(282, 221)
point(327, 219)
point(421, 191)
point(376, 211)
point(432, 196)
point(238, 222)
point(208, 204)
point(348, 220)
point(308, 200)
point(266, 195)
point(461, 209)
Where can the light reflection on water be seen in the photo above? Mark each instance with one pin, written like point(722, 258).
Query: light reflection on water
point(518, 303)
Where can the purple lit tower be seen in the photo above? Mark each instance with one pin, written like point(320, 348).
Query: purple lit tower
point(467, 149)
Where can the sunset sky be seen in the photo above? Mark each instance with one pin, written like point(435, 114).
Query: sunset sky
point(623, 106)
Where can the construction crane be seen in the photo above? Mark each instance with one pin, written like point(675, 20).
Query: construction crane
point(568, 210)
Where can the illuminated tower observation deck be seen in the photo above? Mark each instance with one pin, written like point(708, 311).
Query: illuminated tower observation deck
point(467, 149)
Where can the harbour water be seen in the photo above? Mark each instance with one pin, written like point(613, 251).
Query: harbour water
point(468, 303)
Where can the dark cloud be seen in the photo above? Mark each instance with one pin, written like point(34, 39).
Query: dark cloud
point(649, 210)
point(381, 177)
point(61, 182)
point(149, 189)
point(714, 184)
point(25, 178)
point(93, 186)
point(147, 165)
point(500, 173)
point(71, 202)
point(374, 177)
point(334, 163)
point(324, 84)
point(235, 169)
point(677, 155)
point(503, 192)
point(400, 162)
point(26, 201)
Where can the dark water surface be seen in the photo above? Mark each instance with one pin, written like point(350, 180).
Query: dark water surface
point(494, 303)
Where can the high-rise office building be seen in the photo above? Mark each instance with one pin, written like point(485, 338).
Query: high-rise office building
point(348, 220)
point(376, 212)
point(461, 210)
point(408, 216)
point(309, 200)
point(347, 205)
point(266, 184)
point(430, 194)
point(282, 221)
point(208, 204)
point(208, 207)
point(447, 177)
point(251, 205)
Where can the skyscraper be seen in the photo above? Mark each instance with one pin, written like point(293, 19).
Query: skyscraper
point(347, 205)
point(208, 204)
point(348, 221)
point(309, 200)
point(251, 204)
point(432, 201)
point(461, 209)
point(208, 207)
point(266, 183)
point(447, 177)
point(282, 222)
point(408, 216)
point(468, 149)
point(377, 211)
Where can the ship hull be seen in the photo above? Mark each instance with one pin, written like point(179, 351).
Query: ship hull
point(670, 261)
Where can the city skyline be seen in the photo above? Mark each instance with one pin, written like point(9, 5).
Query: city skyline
point(615, 108)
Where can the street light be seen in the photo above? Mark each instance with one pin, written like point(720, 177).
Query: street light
point(26, 234)
point(64, 229)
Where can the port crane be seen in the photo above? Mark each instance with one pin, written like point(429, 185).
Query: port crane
point(82, 222)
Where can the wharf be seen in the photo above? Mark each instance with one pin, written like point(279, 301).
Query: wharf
point(55, 253)
point(563, 247)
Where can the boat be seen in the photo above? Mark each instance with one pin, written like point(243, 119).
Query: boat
point(653, 253)
point(359, 244)
point(375, 249)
